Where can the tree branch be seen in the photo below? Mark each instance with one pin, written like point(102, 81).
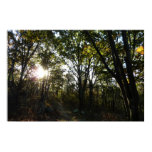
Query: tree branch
point(102, 58)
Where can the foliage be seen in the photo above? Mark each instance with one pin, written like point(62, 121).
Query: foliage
point(92, 75)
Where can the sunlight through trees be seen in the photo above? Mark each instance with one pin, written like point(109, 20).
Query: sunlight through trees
point(76, 75)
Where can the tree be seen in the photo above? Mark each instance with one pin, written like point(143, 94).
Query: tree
point(129, 90)
point(70, 46)
point(86, 71)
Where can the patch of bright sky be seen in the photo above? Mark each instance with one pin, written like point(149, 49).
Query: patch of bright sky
point(15, 33)
point(57, 34)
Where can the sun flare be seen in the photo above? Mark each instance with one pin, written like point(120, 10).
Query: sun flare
point(40, 72)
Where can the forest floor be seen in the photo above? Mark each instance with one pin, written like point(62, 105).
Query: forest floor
point(68, 115)
point(58, 111)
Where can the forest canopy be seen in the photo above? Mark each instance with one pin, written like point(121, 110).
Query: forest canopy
point(75, 75)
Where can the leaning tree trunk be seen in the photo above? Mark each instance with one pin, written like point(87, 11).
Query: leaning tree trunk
point(134, 93)
point(126, 100)
point(129, 90)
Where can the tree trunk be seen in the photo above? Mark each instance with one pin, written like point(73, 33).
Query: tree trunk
point(90, 94)
point(126, 100)
point(134, 100)
point(80, 99)
point(129, 91)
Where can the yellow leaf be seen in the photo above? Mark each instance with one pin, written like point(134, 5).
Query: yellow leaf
point(140, 50)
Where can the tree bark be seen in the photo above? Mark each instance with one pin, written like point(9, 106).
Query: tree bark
point(134, 92)
point(129, 91)
point(90, 94)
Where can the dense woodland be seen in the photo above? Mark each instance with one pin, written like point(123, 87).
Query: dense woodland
point(75, 75)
